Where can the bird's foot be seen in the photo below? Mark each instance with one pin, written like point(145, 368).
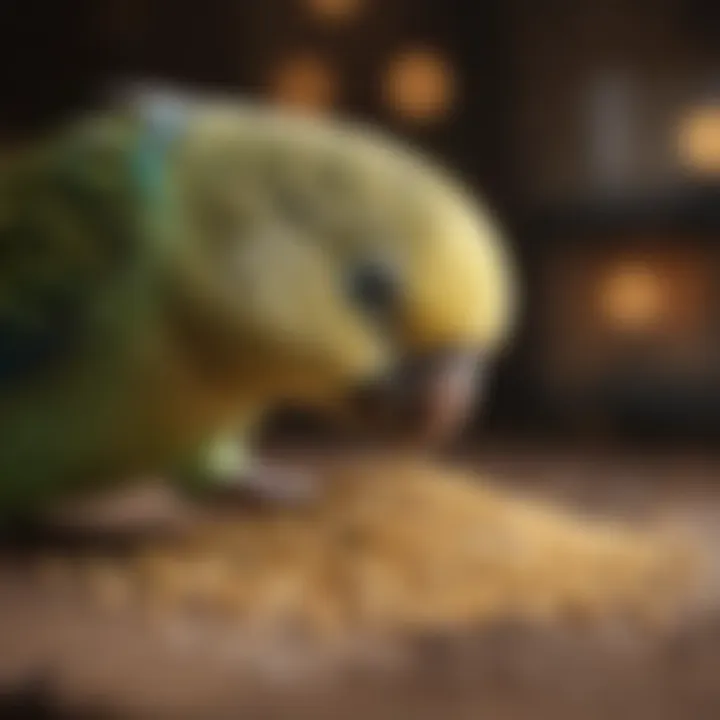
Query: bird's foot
point(266, 485)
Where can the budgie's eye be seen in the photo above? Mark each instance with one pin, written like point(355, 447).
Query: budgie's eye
point(374, 287)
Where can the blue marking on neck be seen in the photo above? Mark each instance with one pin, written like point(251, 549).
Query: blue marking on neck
point(164, 124)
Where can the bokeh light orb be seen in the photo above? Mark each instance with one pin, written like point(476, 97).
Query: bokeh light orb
point(304, 82)
point(335, 11)
point(699, 140)
point(420, 85)
point(632, 296)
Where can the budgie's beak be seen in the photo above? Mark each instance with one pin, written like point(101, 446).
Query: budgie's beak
point(426, 400)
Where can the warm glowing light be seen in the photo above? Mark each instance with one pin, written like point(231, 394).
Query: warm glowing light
point(305, 82)
point(335, 11)
point(632, 296)
point(699, 140)
point(420, 85)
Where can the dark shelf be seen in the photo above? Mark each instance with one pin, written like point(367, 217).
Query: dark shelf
point(692, 208)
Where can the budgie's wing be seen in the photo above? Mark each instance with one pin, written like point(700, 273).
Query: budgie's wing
point(63, 231)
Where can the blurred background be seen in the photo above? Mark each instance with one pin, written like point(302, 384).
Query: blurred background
point(591, 126)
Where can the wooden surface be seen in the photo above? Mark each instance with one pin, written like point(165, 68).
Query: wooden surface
point(53, 642)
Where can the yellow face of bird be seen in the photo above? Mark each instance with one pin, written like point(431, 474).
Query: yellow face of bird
point(334, 257)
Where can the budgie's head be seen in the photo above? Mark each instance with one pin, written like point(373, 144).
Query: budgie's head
point(336, 263)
